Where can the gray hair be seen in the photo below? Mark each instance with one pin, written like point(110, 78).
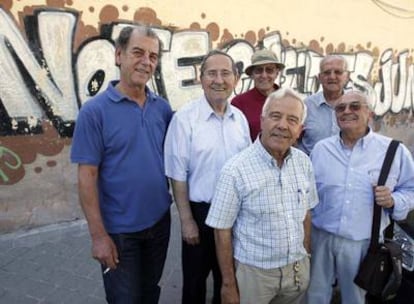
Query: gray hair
point(364, 98)
point(126, 33)
point(280, 94)
point(333, 57)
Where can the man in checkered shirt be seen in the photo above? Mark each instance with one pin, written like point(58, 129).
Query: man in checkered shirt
point(261, 211)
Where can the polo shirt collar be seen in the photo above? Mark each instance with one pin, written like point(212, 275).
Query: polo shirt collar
point(117, 97)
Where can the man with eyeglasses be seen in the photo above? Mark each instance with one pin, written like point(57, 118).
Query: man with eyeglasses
point(321, 122)
point(264, 69)
point(203, 134)
point(347, 167)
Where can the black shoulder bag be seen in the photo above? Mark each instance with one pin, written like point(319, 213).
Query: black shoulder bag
point(380, 272)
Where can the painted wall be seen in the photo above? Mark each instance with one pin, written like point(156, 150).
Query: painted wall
point(56, 54)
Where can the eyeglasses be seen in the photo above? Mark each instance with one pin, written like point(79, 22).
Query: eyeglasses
point(329, 72)
point(269, 70)
point(213, 74)
point(353, 106)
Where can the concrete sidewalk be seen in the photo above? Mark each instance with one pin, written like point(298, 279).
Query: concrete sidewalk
point(54, 265)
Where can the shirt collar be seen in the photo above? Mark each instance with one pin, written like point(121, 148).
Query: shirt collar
point(321, 99)
point(267, 158)
point(363, 141)
point(117, 97)
point(207, 111)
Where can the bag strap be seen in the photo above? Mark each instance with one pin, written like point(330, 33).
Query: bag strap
point(386, 166)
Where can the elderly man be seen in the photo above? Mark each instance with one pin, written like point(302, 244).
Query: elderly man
point(202, 135)
point(346, 167)
point(118, 143)
point(261, 211)
point(320, 121)
point(264, 69)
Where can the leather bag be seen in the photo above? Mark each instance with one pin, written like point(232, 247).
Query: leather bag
point(380, 272)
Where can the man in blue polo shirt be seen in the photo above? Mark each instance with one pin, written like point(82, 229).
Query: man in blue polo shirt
point(118, 144)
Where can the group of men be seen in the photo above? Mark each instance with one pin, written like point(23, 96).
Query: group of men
point(251, 213)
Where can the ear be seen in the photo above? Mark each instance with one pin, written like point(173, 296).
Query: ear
point(320, 77)
point(300, 130)
point(261, 122)
point(236, 80)
point(371, 115)
point(118, 52)
point(347, 76)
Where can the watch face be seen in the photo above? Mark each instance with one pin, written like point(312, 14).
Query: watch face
point(406, 241)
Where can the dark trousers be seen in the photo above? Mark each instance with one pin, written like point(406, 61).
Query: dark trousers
point(199, 260)
point(141, 261)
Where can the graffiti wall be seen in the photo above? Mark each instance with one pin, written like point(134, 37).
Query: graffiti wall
point(54, 55)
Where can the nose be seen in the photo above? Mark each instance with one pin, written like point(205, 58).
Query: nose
point(219, 78)
point(282, 123)
point(145, 59)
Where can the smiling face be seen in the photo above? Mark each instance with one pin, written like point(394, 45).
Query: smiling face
point(218, 79)
point(333, 75)
point(137, 62)
point(264, 77)
point(353, 114)
point(281, 125)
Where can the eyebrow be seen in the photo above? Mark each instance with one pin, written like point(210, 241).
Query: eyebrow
point(144, 50)
point(352, 101)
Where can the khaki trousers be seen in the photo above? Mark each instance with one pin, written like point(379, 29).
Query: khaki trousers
point(282, 285)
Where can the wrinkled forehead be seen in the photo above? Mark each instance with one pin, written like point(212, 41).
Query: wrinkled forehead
point(352, 97)
point(333, 62)
point(218, 61)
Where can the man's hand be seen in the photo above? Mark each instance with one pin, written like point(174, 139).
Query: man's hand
point(104, 251)
point(189, 232)
point(383, 197)
point(229, 294)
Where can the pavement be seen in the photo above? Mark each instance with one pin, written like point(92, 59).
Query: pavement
point(53, 265)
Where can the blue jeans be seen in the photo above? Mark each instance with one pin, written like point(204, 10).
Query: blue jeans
point(335, 257)
point(141, 261)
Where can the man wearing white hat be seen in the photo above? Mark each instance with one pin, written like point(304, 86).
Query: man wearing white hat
point(264, 69)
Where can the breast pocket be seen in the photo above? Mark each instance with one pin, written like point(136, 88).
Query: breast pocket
point(302, 205)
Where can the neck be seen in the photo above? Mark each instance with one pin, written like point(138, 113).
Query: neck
point(136, 93)
point(332, 97)
point(350, 138)
point(218, 107)
point(278, 156)
point(266, 92)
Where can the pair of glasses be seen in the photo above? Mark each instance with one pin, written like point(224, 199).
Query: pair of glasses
point(329, 72)
point(269, 70)
point(353, 106)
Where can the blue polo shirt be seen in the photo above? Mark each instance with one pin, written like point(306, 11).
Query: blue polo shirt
point(125, 142)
